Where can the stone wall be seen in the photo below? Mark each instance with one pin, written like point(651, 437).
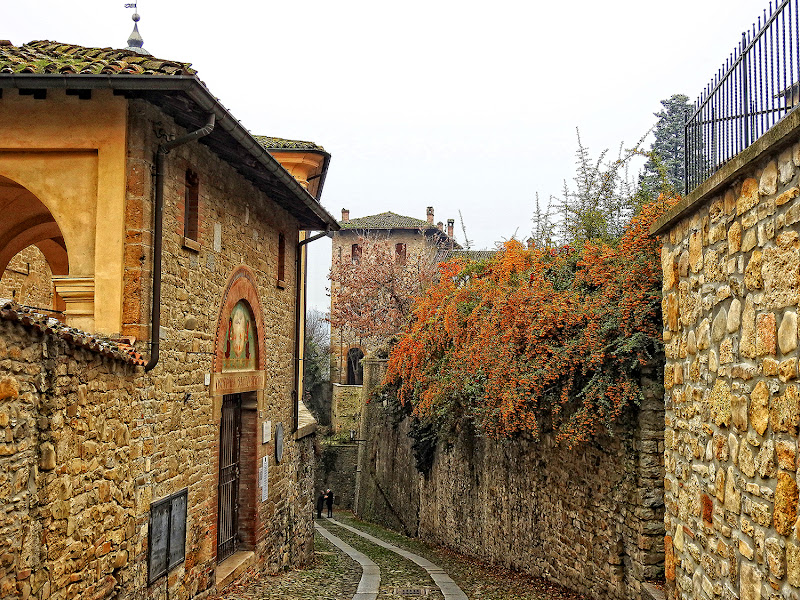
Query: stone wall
point(345, 407)
point(731, 261)
point(27, 279)
point(68, 468)
point(589, 518)
point(336, 469)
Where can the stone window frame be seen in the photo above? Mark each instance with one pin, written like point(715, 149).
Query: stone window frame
point(356, 251)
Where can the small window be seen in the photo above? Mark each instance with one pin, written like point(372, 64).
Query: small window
point(191, 214)
point(400, 254)
point(166, 535)
point(355, 254)
point(281, 258)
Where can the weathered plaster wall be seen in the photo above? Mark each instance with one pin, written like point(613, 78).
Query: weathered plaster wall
point(589, 518)
point(78, 172)
point(731, 266)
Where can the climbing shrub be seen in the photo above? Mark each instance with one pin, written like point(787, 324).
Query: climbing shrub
point(533, 338)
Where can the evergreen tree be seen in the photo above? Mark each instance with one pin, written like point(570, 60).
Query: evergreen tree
point(665, 172)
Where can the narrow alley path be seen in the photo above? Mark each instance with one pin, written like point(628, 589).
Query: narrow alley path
point(361, 561)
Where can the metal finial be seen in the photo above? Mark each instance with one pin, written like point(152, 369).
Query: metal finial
point(135, 40)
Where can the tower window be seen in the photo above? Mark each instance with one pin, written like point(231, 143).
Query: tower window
point(355, 253)
point(191, 214)
point(400, 254)
point(281, 258)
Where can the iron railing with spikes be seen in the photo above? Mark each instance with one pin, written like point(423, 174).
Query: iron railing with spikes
point(758, 84)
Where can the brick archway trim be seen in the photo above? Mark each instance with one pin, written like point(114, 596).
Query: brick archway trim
point(241, 286)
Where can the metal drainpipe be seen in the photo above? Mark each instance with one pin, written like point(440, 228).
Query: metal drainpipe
point(158, 228)
point(300, 296)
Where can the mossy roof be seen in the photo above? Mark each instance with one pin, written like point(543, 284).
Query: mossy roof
point(276, 143)
point(386, 220)
point(45, 57)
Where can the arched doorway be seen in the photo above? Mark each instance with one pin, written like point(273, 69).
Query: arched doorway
point(355, 370)
point(32, 249)
point(238, 387)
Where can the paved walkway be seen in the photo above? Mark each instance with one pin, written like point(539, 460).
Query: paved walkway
point(370, 583)
point(449, 588)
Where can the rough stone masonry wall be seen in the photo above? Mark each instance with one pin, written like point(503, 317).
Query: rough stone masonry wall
point(27, 279)
point(67, 527)
point(731, 293)
point(589, 518)
point(239, 225)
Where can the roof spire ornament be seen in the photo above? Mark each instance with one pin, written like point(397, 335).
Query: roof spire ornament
point(135, 41)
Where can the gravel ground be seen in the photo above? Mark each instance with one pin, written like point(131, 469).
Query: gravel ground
point(334, 576)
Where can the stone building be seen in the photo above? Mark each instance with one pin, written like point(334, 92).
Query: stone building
point(153, 438)
point(408, 236)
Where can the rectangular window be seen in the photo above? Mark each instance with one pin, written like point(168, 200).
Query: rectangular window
point(281, 259)
point(400, 254)
point(355, 254)
point(166, 535)
point(191, 213)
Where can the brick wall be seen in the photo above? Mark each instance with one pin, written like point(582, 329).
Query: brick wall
point(731, 262)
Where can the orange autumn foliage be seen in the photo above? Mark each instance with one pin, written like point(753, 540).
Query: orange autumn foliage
point(532, 338)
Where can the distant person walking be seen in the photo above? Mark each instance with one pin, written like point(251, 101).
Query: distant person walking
point(320, 504)
point(329, 502)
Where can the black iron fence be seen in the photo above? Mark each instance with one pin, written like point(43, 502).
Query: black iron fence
point(756, 87)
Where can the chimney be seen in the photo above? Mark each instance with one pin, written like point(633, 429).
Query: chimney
point(450, 228)
point(430, 215)
point(440, 226)
point(345, 215)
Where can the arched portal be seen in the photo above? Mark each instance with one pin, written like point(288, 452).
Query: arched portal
point(355, 370)
point(29, 237)
point(238, 388)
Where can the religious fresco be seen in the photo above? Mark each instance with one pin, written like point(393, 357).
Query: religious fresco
point(239, 344)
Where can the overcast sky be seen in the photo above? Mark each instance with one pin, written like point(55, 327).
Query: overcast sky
point(459, 105)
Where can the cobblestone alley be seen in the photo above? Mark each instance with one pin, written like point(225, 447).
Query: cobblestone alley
point(377, 571)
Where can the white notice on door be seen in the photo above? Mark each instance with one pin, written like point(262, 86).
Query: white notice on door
point(264, 478)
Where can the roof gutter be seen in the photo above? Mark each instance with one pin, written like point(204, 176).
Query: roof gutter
point(300, 303)
point(198, 93)
point(158, 234)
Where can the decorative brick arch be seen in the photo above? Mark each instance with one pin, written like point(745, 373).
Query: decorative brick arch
point(241, 286)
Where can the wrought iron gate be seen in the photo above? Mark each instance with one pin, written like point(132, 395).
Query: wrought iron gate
point(228, 490)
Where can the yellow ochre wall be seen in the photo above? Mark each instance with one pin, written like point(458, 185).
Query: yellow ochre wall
point(70, 154)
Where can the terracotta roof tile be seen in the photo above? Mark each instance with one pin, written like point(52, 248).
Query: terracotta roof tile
point(116, 349)
point(386, 220)
point(475, 255)
point(276, 143)
point(44, 57)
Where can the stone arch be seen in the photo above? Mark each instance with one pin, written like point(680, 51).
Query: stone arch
point(27, 221)
point(241, 286)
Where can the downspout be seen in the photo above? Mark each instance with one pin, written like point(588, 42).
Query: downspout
point(300, 301)
point(158, 228)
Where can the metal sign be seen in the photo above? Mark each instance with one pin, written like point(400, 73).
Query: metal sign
point(166, 538)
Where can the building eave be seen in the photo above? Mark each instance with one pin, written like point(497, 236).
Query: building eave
point(230, 140)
